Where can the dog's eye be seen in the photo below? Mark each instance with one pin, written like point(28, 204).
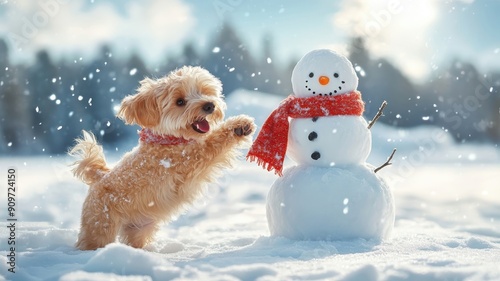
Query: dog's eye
point(181, 102)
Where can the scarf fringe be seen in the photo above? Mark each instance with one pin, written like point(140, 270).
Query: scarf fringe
point(264, 164)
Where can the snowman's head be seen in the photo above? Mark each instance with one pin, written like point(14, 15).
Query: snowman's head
point(323, 72)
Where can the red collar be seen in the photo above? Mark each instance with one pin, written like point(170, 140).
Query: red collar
point(147, 136)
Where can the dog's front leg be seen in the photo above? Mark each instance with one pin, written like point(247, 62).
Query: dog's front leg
point(217, 151)
point(234, 132)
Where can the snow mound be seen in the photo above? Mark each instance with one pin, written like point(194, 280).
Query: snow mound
point(123, 260)
point(86, 276)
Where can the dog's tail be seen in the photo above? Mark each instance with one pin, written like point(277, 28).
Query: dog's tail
point(91, 166)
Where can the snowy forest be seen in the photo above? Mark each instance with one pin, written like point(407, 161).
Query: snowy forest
point(44, 105)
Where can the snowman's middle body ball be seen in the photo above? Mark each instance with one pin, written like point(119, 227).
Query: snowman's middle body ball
point(329, 141)
point(330, 203)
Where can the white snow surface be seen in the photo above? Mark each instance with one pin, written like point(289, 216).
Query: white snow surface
point(447, 224)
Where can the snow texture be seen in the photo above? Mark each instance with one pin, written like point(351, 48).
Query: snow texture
point(330, 203)
point(447, 223)
point(166, 163)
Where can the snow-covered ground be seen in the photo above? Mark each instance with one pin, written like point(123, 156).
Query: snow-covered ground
point(447, 221)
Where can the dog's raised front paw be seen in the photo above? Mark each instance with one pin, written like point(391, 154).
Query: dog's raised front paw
point(243, 131)
point(241, 125)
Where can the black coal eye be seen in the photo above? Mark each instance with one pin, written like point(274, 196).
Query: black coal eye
point(311, 75)
point(180, 102)
point(336, 75)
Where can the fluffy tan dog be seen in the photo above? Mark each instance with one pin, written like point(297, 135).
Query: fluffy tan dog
point(183, 145)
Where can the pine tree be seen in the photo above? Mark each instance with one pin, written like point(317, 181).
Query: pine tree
point(469, 109)
point(267, 79)
point(14, 114)
point(379, 80)
point(230, 60)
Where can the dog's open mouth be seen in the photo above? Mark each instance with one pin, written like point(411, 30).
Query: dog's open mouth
point(201, 126)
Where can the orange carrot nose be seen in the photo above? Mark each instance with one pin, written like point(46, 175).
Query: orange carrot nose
point(323, 80)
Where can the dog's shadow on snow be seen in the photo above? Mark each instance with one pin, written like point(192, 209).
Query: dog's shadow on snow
point(267, 249)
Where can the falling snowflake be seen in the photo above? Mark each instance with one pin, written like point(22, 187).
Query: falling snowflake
point(166, 163)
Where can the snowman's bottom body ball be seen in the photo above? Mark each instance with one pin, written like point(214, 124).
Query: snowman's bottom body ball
point(330, 203)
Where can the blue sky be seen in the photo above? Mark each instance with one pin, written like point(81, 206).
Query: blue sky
point(415, 35)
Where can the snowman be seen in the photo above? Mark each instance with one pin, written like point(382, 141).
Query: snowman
point(332, 193)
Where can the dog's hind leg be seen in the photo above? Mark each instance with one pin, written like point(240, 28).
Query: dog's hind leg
point(140, 234)
point(99, 226)
point(96, 234)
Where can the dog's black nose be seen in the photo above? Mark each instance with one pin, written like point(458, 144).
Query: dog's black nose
point(209, 107)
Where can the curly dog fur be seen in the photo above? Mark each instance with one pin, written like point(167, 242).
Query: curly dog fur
point(153, 182)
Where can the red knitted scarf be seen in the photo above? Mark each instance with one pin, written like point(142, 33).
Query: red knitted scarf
point(147, 136)
point(269, 148)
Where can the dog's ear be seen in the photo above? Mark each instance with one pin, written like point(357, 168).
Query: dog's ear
point(141, 109)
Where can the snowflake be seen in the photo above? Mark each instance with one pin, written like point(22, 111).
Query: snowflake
point(166, 163)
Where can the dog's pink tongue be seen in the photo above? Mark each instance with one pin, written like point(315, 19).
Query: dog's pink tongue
point(202, 125)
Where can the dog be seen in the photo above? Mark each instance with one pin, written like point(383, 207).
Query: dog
point(184, 145)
